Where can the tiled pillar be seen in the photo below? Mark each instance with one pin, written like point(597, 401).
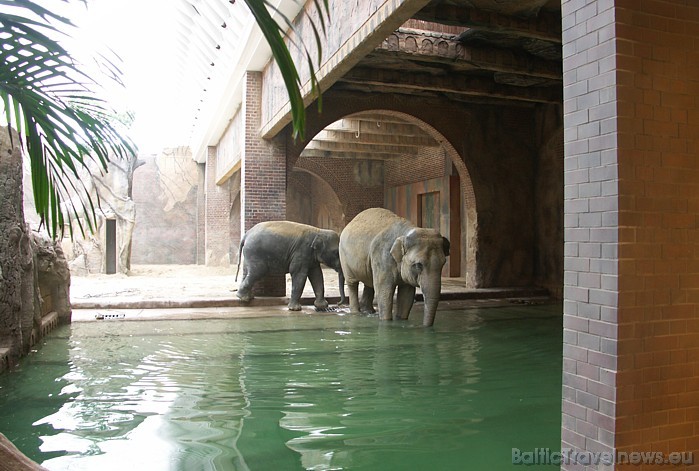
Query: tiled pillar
point(216, 215)
point(591, 236)
point(631, 327)
point(263, 176)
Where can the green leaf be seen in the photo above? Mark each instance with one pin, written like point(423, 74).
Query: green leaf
point(280, 51)
point(62, 123)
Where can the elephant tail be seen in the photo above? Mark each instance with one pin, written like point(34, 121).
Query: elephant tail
point(240, 252)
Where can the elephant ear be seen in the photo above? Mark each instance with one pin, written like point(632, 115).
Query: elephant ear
point(445, 246)
point(317, 243)
point(398, 249)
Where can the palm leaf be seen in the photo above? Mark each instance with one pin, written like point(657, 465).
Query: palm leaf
point(62, 124)
point(274, 36)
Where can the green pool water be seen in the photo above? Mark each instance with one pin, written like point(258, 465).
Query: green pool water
point(316, 392)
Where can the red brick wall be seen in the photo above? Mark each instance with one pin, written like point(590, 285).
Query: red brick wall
point(311, 200)
point(201, 209)
point(631, 330)
point(263, 176)
point(355, 193)
point(217, 210)
point(234, 217)
point(327, 208)
point(299, 199)
point(427, 165)
point(263, 164)
point(658, 139)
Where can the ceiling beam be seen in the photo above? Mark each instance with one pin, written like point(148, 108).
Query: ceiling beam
point(416, 83)
point(357, 137)
point(361, 147)
point(546, 26)
point(376, 124)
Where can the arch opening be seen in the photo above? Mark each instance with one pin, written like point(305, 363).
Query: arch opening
point(394, 160)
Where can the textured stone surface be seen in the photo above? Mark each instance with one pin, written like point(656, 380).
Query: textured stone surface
point(165, 194)
point(20, 313)
point(111, 193)
point(53, 276)
point(34, 276)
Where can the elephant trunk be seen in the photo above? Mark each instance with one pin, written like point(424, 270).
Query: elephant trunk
point(431, 300)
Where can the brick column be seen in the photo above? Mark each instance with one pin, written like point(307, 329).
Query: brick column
point(201, 214)
point(658, 157)
point(631, 329)
point(216, 215)
point(591, 234)
point(263, 176)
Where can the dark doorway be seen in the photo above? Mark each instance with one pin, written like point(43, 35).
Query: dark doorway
point(111, 246)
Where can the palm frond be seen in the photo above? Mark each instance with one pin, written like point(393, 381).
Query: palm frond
point(274, 35)
point(63, 125)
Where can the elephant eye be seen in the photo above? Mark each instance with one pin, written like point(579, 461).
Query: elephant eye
point(417, 267)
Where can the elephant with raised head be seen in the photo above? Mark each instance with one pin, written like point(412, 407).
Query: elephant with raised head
point(289, 247)
point(385, 251)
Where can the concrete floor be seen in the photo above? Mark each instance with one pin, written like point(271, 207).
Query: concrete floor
point(196, 291)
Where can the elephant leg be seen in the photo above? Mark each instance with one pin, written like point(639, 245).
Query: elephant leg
point(385, 301)
point(366, 304)
point(404, 301)
point(353, 290)
point(251, 274)
point(298, 283)
point(341, 285)
point(315, 275)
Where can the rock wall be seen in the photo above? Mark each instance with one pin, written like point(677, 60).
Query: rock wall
point(165, 194)
point(19, 304)
point(34, 276)
point(87, 252)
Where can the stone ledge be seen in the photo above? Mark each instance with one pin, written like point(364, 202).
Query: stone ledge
point(195, 303)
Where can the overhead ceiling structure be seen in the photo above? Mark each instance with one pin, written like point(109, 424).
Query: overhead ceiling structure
point(217, 41)
point(370, 136)
point(471, 51)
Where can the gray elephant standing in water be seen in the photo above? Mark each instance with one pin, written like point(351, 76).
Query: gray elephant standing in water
point(385, 251)
point(289, 247)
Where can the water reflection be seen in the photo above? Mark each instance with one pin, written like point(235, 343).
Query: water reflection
point(298, 392)
point(388, 387)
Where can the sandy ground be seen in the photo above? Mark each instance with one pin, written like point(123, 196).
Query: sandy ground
point(172, 282)
point(200, 292)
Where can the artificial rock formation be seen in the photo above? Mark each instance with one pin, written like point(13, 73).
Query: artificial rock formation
point(113, 190)
point(19, 313)
point(34, 278)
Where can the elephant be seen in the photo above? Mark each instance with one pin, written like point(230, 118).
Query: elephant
point(385, 251)
point(289, 247)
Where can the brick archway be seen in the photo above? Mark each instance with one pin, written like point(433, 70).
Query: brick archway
point(317, 186)
point(467, 232)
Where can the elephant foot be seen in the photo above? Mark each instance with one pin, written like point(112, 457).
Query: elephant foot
point(245, 297)
point(294, 306)
point(321, 304)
